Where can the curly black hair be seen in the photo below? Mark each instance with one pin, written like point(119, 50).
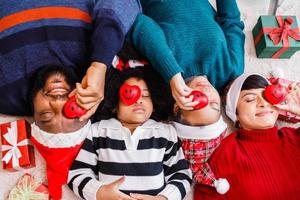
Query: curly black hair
point(159, 90)
point(40, 77)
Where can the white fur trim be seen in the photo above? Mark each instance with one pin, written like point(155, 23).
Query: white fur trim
point(200, 132)
point(277, 72)
point(60, 140)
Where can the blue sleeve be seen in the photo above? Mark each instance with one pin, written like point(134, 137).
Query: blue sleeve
point(111, 22)
point(149, 39)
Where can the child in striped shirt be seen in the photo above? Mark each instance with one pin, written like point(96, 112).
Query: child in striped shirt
point(130, 156)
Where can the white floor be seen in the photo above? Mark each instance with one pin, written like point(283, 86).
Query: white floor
point(250, 13)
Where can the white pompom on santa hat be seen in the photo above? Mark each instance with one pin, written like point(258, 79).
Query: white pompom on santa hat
point(221, 185)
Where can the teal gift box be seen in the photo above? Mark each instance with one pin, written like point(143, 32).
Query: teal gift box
point(276, 36)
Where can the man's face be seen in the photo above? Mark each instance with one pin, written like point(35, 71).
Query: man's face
point(48, 106)
point(209, 114)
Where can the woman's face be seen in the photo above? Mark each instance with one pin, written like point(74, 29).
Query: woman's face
point(254, 112)
point(209, 114)
point(48, 107)
point(140, 111)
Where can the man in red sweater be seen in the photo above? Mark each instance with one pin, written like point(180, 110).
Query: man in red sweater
point(259, 160)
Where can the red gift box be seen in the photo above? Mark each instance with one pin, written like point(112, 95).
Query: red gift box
point(16, 151)
point(284, 115)
point(28, 188)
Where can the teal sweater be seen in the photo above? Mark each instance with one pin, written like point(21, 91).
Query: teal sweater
point(190, 37)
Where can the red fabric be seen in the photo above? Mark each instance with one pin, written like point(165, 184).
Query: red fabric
point(58, 161)
point(197, 152)
point(260, 165)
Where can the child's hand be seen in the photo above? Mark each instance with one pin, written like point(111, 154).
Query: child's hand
point(179, 91)
point(112, 192)
point(292, 100)
point(90, 92)
point(147, 197)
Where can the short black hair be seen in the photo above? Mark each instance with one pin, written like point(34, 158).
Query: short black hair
point(159, 90)
point(39, 79)
point(254, 82)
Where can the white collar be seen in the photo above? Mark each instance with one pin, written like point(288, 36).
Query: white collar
point(116, 124)
point(60, 140)
point(200, 132)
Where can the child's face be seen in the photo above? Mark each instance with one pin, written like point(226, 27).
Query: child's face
point(209, 114)
point(48, 106)
point(140, 111)
point(254, 112)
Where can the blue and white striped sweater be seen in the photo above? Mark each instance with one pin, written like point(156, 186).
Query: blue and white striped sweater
point(151, 159)
point(71, 33)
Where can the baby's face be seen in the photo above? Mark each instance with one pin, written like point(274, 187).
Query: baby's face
point(140, 111)
point(209, 114)
point(48, 107)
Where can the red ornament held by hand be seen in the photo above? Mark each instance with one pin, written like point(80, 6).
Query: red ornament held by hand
point(275, 94)
point(129, 94)
point(72, 109)
point(200, 97)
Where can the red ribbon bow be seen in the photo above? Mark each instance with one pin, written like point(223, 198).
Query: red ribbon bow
point(281, 33)
point(119, 64)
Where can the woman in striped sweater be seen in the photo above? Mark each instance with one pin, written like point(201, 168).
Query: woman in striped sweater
point(130, 156)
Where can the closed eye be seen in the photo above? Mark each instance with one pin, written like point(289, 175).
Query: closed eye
point(145, 93)
point(215, 106)
point(249, 100)
point(45, 117)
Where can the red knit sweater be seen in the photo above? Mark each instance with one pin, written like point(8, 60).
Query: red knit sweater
point(259, 165)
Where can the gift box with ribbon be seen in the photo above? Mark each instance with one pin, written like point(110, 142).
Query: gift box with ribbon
point(284, 115)
point(16, 150)
point(28, 188)
point(276, 36)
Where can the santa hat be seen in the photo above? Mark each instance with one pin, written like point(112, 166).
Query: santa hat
point(233, 94)
point(208, 132)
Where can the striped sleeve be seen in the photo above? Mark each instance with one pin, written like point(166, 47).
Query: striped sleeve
point(83, 179)
point(176, 170)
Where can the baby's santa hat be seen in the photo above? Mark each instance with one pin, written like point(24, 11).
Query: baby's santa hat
point(207, 132)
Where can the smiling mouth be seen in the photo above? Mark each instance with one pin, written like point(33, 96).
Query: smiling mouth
point(264, 113)
point(57, 91)
point(56, 87)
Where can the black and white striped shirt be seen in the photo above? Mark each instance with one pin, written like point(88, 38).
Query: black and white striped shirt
point(151, 159)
